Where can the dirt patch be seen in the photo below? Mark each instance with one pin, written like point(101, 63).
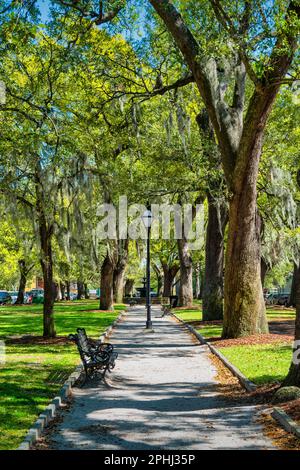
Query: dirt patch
point(199, 324)
point(251, 340)
point(280, 307)
point(30, 339)
point(282, 327)
point(182, 309)
point(98, 311)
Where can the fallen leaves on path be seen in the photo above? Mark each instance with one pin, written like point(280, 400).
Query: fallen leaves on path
point(231, 390)
point(282, 439)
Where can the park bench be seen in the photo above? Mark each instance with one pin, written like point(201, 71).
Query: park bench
point(95, 356)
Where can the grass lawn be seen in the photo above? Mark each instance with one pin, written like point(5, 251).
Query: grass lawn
point(32, 372)
point(188, 315)
point(274, 314)
point(261, 363)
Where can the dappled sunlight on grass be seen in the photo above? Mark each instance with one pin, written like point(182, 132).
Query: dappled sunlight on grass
point(188, 315)
point(210, 331)
point(26, 386)
point(261, 363)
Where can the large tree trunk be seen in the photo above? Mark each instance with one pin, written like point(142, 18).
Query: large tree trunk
point(22, 283)
point(119, 271)
point(264, 268)
point(159, 277)
point(45, 234)
point(239, 134)
point(214, 260)
point(86, 291)
point(293, 377)
point(293, 294)
point(198, 281)
point(244, 307)
point(56, 291)
point(47, 269)
point(160, 284)
point(68, 290)
point(80, 290)
point(106, 283)
point(119, 285)
point(169, 276)
point(186, 274)
point(128, 287)
point(62, 290)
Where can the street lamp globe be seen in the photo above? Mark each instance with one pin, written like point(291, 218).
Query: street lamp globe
point(147, 218)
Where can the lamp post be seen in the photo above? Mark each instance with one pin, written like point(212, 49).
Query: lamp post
point(147, 220)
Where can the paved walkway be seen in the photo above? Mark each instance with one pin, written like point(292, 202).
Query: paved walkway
point(161, 395)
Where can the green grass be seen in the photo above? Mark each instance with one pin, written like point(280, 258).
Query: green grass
point(209, 331)
point(27, 379)
point(188, 315)
point(262, 364)
point(276, 313)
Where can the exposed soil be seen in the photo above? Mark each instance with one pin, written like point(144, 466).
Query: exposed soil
point(30, 339)
point(187, 308)
point(282, 327)
point(251, 340)
point(280, 307)
point(98, 311)
point(280, 331)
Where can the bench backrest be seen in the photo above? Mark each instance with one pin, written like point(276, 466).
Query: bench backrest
point(82, 343)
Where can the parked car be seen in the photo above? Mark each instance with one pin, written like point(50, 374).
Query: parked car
point(14, 296)
point(5, 298)
point(283, 299)
point(271, 299)
point(37, 296)
point(277, 299)
point(28, 298)
point(73, 296)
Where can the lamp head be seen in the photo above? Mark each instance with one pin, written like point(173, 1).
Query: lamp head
point(147, 218)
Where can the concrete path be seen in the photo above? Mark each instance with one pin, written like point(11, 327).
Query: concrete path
point(161, 395)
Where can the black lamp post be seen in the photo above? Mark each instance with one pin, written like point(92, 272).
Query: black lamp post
point(147, 220)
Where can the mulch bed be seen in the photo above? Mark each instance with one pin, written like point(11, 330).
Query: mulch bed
point(282, 327)
point(280, 307)
point(98, 311)
point(32, 340)
point(199, 324)
point(188, 308)
point(280, 332)
point(251, 340)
